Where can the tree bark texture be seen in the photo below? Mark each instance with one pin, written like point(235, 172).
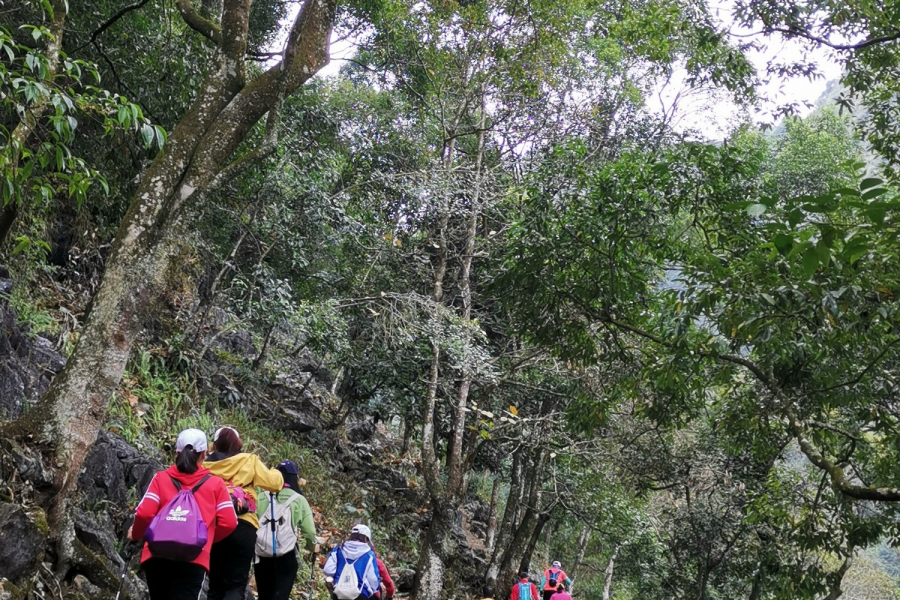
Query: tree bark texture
point(510, 514)
point(491, 535)
point(608, 574)
point(542, 520)
point(222, 115)
point(584, 539)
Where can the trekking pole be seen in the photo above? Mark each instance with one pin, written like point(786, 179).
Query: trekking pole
point(130, 551)
point(312, 576)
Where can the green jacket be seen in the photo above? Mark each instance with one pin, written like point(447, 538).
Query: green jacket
point(301, 514)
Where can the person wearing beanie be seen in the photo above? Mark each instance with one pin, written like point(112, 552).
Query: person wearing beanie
point(230, 559)
point(275, 575)
point(553, 577)
point(170, 579)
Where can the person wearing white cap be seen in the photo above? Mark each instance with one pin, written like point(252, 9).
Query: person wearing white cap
point(351, 569)
point(553, 577)
point(167, 578)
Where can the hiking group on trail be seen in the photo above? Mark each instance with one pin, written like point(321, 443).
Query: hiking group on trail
point(212, 516)
point(554, 584)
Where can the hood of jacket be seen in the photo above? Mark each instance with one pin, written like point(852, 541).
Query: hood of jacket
point(352, 549)
point(238, 469)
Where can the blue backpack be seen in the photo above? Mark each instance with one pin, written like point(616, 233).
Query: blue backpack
point(525, 590)
point(356, 574)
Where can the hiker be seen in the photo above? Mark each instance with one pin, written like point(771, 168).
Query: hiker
point(561, 593)
point(351, 570)
point(231, 558)
point(524, 590)
point(387, 584)
point(176, 571)
point(487, 593)
point(277, 558)
point(552, 578)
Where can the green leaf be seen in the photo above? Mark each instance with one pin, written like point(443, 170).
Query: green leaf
point(23, 244)
point(874, 193)
point(148, 134)
point(870, 182)
point(755, 210)
point(784, 243)
point(810, 262)
point(795, 217)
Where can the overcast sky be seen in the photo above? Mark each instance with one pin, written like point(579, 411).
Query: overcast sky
point(712, 113)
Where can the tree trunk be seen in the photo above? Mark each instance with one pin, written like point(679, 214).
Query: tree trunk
point(608, 574)
point(437, 546)
point(512, 554)
point(163, 209)
point(260, 360)
point(542, 520)
point(509, 522)
point(837, 579)
point(491, 535)
point(584, 539)
point(407, 435)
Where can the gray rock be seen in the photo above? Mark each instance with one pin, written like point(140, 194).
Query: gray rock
point(115, 471)
point(21, 543)
point(27, 366)
point(6, 286)
point(405, 581)
point(294, 420)
point(361, 432)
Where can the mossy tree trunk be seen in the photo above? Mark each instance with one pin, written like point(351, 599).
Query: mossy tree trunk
point(195, 160)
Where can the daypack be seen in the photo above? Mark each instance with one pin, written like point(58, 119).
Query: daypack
point(242, 501)
point(178, 531)
point(525, 590)
point(276, 535)
point(553, 579)
point(351, 575)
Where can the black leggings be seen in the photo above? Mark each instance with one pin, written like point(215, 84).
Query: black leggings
point(275, 577)
point(229, 563)
point(173, 579)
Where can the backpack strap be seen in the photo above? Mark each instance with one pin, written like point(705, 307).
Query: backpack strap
point(176, 483)
point(199, 483)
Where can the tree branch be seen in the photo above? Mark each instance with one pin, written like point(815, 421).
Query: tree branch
point(110, 22)
point(795, 425)
point(802, 33)
point(198, 23)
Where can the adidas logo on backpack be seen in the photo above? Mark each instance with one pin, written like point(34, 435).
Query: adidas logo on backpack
point(177, 514)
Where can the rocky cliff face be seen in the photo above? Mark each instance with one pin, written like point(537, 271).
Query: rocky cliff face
point(27, 362)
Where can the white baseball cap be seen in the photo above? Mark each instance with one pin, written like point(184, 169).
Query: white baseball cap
point(557, 565)
point(191, 437)
point(362, 530)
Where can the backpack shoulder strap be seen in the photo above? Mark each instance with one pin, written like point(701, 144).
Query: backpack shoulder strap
point(176, 483)
point(199, 483)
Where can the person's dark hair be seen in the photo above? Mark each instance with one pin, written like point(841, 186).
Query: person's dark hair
point(292, 481)
point(358, 537)
point(561, 587)
point(229, 442)
point(186, 460)
point(487, 592)
point(523, 575)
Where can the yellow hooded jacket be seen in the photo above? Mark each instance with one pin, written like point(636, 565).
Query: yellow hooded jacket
point(248, 472)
